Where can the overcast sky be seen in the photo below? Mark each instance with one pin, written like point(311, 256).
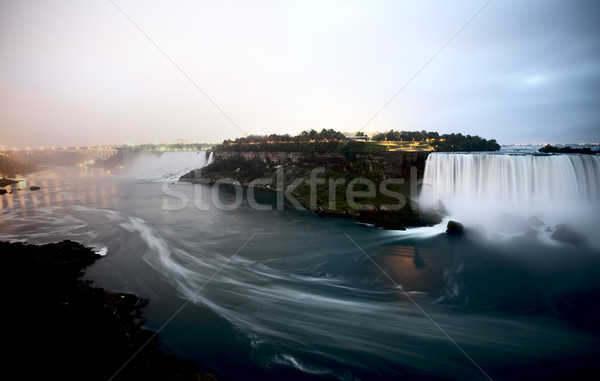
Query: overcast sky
point(80, 72)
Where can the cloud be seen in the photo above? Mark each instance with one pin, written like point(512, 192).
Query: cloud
point(520, 71)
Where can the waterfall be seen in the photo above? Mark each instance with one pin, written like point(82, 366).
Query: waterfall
point(168, 166)
point(475, 186)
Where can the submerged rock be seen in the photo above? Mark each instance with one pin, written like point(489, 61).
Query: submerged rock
point(535, 222)
point(34, 188)
point(455, 228)
point(564, 234)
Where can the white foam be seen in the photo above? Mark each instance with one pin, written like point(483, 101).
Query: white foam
point(289, 360)
point(100, 250)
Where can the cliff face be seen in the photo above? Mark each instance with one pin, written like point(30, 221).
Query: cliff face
point(388, 164)
point(334, 161)
point(396, 164)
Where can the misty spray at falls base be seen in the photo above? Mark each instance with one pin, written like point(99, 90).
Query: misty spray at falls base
point(166, 167)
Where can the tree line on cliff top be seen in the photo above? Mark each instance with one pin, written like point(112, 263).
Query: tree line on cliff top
point(329, 140)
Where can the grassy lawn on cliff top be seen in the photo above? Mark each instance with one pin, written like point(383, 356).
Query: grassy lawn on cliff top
point(403, 146)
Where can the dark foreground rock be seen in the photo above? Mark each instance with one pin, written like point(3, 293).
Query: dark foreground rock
point(58, 326)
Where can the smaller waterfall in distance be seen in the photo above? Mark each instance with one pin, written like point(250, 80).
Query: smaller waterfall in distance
point(476, 188)
point(168, 166)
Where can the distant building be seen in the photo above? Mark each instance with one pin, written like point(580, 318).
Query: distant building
point(361, 138)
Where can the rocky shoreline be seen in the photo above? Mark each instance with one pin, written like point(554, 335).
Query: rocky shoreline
point(60, 327)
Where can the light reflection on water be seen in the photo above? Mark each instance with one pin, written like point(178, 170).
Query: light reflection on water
point(59, 188)
point(415, 268)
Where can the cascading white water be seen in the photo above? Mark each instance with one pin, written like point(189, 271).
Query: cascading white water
point(169, 166)
point(478, 186)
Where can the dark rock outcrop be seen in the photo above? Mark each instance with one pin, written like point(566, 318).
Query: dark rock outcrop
point(455, 229)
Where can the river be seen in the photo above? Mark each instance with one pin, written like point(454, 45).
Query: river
point(285, 294)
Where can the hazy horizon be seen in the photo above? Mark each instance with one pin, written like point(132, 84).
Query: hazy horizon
point(191, 143)
point(77, 73)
